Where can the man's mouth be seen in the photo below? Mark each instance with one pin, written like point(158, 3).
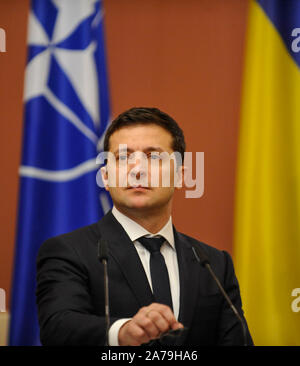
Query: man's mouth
point(139, 187)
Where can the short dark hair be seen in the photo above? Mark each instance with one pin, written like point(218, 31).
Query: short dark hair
point(145, 115)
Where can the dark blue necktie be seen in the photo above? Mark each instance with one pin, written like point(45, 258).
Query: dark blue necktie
point(158, 269)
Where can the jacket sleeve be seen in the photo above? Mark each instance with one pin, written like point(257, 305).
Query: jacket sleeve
point(230, 328)
point(65, 311)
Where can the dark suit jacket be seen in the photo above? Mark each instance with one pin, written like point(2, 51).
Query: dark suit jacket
point(70, 294)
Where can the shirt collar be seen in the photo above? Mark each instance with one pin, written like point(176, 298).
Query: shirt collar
point(135, 231)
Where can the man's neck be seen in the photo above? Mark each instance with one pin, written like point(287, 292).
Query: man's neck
point(152, 221)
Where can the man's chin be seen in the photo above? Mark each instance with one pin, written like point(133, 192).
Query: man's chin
point(139, 204)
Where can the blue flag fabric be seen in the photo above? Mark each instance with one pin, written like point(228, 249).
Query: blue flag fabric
point(66, 114)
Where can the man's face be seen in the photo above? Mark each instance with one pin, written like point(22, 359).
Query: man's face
point(142, 176)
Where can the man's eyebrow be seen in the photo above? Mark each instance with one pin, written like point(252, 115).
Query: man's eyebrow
point(153, 148)
point(147, 149)
point(122, 150)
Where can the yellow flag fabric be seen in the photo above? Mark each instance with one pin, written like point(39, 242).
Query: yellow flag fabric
point(267, 212)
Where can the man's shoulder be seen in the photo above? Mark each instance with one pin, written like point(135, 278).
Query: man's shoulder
point(81, 240)
point(88, 232)
point(220, 260)
point(75, 240)
point(213, 253)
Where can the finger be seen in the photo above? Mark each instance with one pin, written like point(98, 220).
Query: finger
point(159, 320)
point(177, 325)
point(132, 334)
point(138, 334)
point(146, 323)
point(165, 311)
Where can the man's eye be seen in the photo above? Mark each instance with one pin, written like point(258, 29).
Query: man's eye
point(155, 156)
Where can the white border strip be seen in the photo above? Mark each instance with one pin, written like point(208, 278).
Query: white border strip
point(70, 115)
point(59, 175)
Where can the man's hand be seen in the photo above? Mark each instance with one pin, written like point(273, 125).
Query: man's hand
point(150, 322)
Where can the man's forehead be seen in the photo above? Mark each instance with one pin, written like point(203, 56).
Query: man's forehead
point(141, 138)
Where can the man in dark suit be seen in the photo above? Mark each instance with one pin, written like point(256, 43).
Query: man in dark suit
point(151, 291)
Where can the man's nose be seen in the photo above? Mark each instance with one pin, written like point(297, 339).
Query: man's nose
point(138, 166)
point(138, 169)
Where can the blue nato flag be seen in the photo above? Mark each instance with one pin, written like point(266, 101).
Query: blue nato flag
point(67, 111)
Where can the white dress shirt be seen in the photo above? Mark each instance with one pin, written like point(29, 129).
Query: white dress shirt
point(135, 231)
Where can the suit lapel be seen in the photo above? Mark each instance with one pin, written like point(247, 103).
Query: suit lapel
point(123, 251)
point(189, 274)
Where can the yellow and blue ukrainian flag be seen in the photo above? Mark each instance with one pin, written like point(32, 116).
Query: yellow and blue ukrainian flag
point(267, 217)
point(67, 111)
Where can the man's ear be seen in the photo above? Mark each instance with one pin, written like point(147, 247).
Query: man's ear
point(179, 175)
point(104, 176)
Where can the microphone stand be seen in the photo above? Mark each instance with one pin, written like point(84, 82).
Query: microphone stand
point(203, 260)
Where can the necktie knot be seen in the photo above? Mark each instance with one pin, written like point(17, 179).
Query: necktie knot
point(152, 244)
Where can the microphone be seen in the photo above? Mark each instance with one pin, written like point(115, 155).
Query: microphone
point(204, 261)
point(103, 258)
